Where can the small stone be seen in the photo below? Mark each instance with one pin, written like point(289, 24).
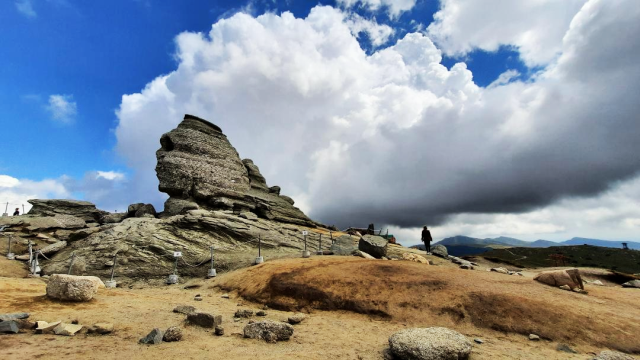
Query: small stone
point(204, 319)
point(612, 355)
point(225, 296)
point(154, 337)
point(244, 313)
point(566, 348)
point(67, 329)
point(219, 330)
point(44, 328)
point(9, 327)
point(75, 322)
point(261, 313)
point(235, 319)
point(184, 309)
point(565, 287)
point(101, 328)
point(597, 282)
point(534, 337)
point(478, 341)
point(296, 318)
point(25, 324)
point(173, 333)
point(466, 267)
point(197, 298)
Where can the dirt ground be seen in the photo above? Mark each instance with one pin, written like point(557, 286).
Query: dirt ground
point(325, 334)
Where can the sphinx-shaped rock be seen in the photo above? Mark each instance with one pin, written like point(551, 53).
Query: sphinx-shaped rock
point(199, 168)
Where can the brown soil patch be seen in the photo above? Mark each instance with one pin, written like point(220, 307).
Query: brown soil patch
point(412, 293)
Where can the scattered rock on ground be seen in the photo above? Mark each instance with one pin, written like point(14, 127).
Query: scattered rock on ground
point(244, 313)
point(415, 258)
point(72, 288)
point(154, 337)
point(261, 313)
point(500, 270)
point(612, 355)
point(632, 284)
point(466, 267)
point(478, 341)
point(569, 277)
point(204, 319)
point(219, 330)
point(363, 255)
point(373, 245)
point(534, 337)
point(434, 343)
point(269, 331)
point(53, 248)
point(173, 333)
point(566, 348)
point(597, 282)
point(25, 324)
point(14, 316)
point(296, 318)
point(43, 327)
point(439, 250)
point(101, 328)
point(9, 327)
point(565, 287)
point(197, 298)
point(248, 215)
point(67, 329)
point(184, 309)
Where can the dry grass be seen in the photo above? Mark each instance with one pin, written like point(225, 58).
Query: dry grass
point(412, 293)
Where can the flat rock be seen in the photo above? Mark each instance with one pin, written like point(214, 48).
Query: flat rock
point(373, 245)
point(568, 277)
point(73, 288)
point(81, 209)
point(67, 329)
point(363, 255)
point(205, 320)
point(269, 331)
point(101, 328)
point(415, 258)
point(173, 333)
point(153, 338)
point(9, 327)
point(184, 309)
point(248, 215)
point(534, 337)
point(53, 248)
point(632, 284)
point(435, 343)
point(14, 316)
point(565, 348)
point(296, 318)
point(43, 327)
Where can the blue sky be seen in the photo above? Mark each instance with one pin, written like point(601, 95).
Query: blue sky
point(97, 51)
point(498, 119)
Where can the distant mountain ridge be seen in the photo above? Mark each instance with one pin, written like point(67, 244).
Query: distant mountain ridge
point(466, 241)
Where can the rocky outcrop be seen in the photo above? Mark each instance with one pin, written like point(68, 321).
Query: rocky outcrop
point(198, 166)
point(80, 209)
point(141, 210)
point(435, 343)
point(344, 245)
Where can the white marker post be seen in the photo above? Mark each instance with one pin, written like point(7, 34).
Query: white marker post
point(212, 271)
point(173, 279)
point(259, 259)
point(319, 252)
point(111, 284)
point(305, 253)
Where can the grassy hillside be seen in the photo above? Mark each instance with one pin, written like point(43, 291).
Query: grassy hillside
point(626, 261)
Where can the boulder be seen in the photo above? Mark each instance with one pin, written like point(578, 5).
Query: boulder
point(373, 245)
point(269, 331)
point(140, 210)
point(67, 329)
point(439, 250)
point(9, 327)
point(632, 284)
point(153, 338)
point(173, 333)
point(14, 316)
point(113, 218)
point(80, 209)
point(219, 330)
point(569, 277)
point(244, 313)
point(296, 318)
point(175, 206)
point(415, 257)
point(435, 343)
point(344, 245)
point(274, 190)
point(204, 319)
point(184, 309)
point(73, 288)
point(612, 355)
point(256, 180)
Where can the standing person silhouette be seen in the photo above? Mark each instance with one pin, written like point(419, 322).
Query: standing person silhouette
point(426, 239)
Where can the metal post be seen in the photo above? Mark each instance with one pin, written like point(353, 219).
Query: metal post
point(10, 255)
point(175, 266)
point(6, 208)
point(22, 209)
point(73, 257)
point(212, 271)
point(259, 259)
point(305, 253)
point(173, 278)
point(35, 266)
point(110, 284)
point(319, 252)
point(30, 251)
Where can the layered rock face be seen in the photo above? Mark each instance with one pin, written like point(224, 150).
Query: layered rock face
point(81, 209)
point(199, 168)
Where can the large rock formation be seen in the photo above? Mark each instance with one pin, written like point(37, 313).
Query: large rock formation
point(199, 168)
point(81, 209)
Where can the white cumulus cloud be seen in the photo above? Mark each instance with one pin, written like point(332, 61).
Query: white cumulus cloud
point(62, 108)
point(393, 7)
point(25, 7)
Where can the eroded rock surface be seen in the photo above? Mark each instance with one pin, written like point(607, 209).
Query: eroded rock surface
point(81, 209)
